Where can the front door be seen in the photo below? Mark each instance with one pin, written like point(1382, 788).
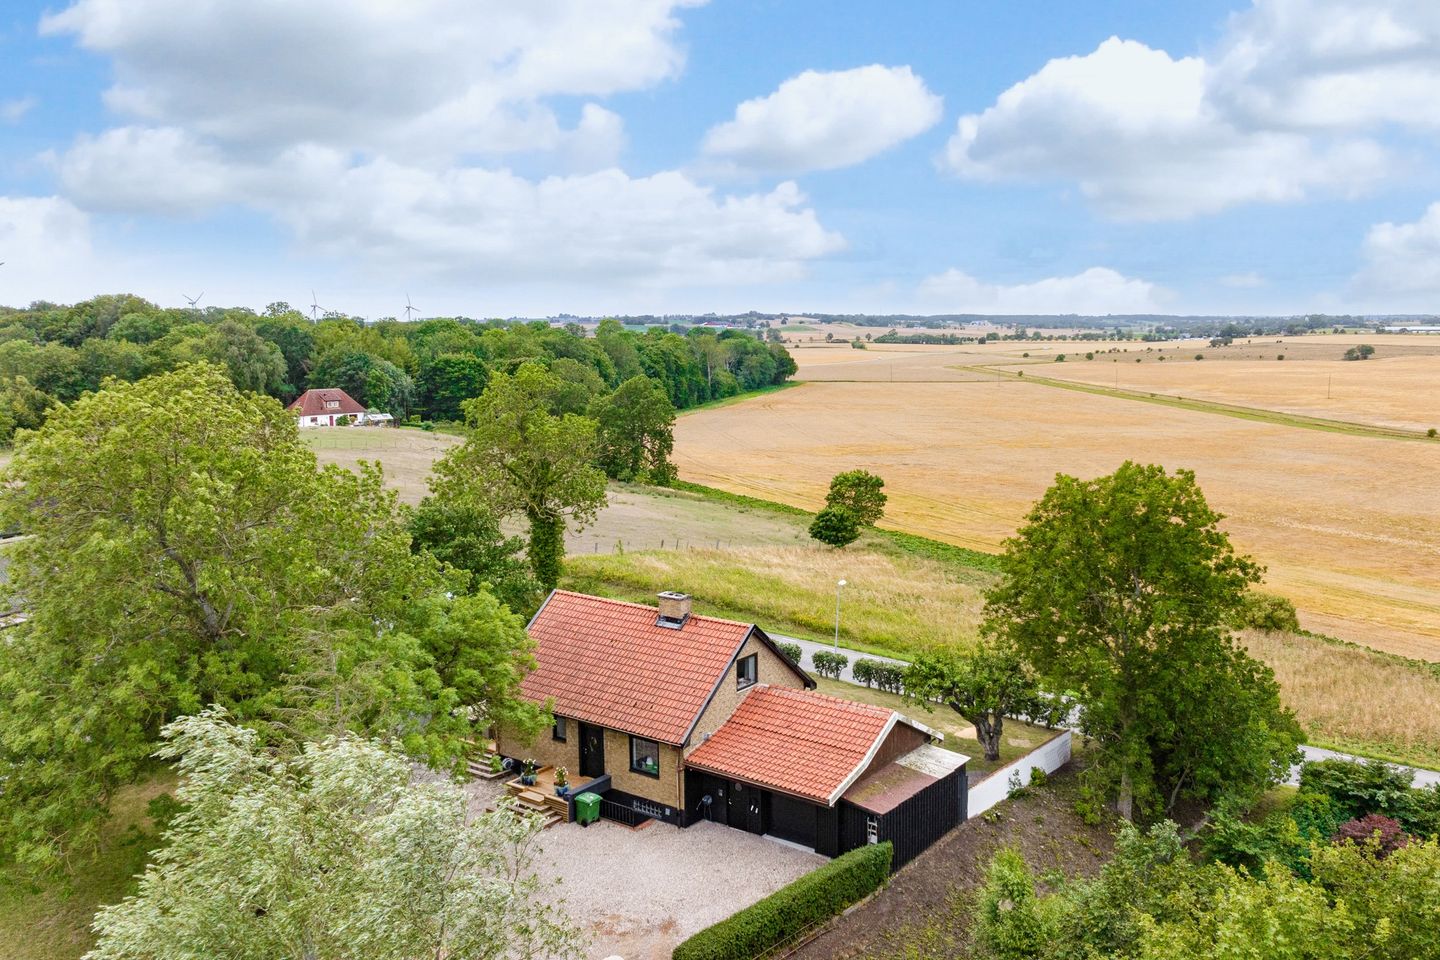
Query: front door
point(592, 751)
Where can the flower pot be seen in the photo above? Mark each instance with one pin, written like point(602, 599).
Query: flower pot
point(527, 780)
point(560, 791)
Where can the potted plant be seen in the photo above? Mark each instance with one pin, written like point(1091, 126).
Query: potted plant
point(527, 773)
point(562, 781)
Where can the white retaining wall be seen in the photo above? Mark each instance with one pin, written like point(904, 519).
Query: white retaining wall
point(1049, 756)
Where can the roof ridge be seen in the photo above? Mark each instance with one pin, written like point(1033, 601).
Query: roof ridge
point(857, 705)
point(645, 606)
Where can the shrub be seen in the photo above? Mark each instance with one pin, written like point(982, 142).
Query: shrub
point(829, 664)
point(793, 909)
point(1279, 356)
point(1357, 789)
point(1013, 923)
point(791, 650)
point(1059, 358)
point(890, 677)
point(1381, 833)
point(1199, 356)
point(1431, 433)
point(864, 671)
point(836, 526)
point(1266, 611)
point(1363, 352)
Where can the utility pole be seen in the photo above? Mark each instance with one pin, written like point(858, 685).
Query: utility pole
point(838, 585)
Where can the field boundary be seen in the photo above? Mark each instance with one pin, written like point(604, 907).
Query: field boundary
point(1257, 414)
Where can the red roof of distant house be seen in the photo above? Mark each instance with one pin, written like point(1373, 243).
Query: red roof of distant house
point(311, 403)
point(799, 742)
point(608, 662)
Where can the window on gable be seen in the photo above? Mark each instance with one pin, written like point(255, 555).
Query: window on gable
point(746, 671)
point(558, 730)
point(645, 756)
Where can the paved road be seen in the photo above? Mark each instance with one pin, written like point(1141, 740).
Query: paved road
point(1423, 778)
point(810, 647)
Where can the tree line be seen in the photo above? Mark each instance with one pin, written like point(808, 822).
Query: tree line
point(52, 353)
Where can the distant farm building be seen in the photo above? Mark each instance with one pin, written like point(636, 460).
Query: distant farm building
point(326, 408)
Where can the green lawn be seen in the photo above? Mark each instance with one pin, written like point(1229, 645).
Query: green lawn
point(1018, 738)
point(53, 923)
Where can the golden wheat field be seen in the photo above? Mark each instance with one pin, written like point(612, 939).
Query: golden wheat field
point(1347, 525)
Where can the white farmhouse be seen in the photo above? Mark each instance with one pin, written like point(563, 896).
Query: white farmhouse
point(322, 408)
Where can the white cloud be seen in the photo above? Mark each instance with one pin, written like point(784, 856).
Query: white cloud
point(1330, 64)
point(423, 78)
point(1243, 281)
point(1402, 262)
point(1096, 291)
point(1133, 128)
point(45, 246)
point(826, 120)
point(374, 136)
point(13, 111)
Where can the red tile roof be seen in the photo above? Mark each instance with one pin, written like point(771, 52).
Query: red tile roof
point(607, 662)
point(311, 403)
point(796, 741)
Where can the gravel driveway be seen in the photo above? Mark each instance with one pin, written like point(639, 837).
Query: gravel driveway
point(637, 893)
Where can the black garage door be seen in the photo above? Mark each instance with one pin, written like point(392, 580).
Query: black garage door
point(792, 819)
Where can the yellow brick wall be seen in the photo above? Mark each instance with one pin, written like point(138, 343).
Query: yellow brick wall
point(769, 668)
point(665, 791)
point(544, 749)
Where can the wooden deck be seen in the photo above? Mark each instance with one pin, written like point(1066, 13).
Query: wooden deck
point(540, 798)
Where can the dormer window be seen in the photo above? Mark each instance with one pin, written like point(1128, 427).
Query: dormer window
point(332, 404)
point(746, 672)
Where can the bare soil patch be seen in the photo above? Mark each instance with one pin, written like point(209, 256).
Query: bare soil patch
point(926, 909)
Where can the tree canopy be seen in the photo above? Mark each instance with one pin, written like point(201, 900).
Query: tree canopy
point(636, 432)
point(984, 685)
point(1121, 589)
point(861, 493)
point(184, 549)
point(520, 458)
point(330, 854)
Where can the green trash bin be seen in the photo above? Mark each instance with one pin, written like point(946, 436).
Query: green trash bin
point(587, 808)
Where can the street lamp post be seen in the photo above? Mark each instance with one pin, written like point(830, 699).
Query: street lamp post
point(838, 585)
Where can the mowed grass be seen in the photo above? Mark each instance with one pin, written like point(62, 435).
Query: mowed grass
point(1342, 522)
point(53, 923)
point(891, 604)
point(1016, 739)
point(1346, 697)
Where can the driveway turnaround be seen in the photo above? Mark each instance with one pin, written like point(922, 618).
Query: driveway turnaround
point(638, 893)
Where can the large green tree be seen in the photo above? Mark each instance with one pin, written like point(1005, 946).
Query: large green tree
point(329, 855)
point(184, 550)
point(468, 537)
point(1121, 589)
point(637, 431)
point(518, 458)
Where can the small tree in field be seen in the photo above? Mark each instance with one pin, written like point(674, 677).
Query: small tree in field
point(861, 493)
point(984, 686)
point(835, 526)
point(331, 855)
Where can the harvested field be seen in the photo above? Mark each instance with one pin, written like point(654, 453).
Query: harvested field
point(1348, 526)
point(406, 455)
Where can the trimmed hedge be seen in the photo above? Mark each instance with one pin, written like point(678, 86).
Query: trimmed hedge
point(829, 664)
point(889, 677)
point(791, 650)
point(790, 911)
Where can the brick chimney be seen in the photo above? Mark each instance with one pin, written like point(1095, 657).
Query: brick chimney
point(674, 609)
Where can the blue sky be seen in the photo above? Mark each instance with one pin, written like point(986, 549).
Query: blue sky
point(594, 156)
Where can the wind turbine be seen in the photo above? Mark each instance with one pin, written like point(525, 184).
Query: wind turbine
point(314, 305)
point(193, 300)
point(408, 308)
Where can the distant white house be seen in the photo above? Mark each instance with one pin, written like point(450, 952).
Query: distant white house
point(323, 408)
